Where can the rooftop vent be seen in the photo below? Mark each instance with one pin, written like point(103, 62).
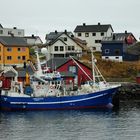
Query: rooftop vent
point(65, 31)
point(99, 23)
point(56, 32)
point(14, 27)
point(84, 24)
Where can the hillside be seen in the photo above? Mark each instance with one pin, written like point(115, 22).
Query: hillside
point(114, 71)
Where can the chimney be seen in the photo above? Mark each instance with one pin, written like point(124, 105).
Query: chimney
point(33, 35)
point(65, 31)
point(125, 31)
point(84, 24)
point(99, 23)
point(55, 31)
point(14, 27)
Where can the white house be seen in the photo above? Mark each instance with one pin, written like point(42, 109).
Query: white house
point(63, 44)
point(11, 31)
point(93, 34)
point(33, 40)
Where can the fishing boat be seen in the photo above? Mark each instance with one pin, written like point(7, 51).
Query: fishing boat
point(47, 92)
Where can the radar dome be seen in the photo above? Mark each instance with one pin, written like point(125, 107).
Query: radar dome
point(44, 50)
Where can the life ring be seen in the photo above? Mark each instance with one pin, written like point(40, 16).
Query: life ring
point(38, 87)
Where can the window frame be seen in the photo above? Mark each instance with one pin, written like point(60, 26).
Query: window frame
point(93, 34)
point(23, 57)
point(56, 48)
point(9, 57)
point(117, 52)
point(19, 57)
point(65, 39)
point(19, 49)
point(9, 49)
point(1, 32)
point(107, 51)
point(79, 34)
point(102, 33)
point(61, 48)
point(86, 34)
point(73, 69)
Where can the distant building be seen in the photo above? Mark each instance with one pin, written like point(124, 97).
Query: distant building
point(13, 50)
point(93, 34)
point(33, 40)
point(11, 31)
point(64, 44)
point(115, 47)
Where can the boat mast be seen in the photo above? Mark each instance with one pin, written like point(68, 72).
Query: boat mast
point(96, 74)
point(93, 66)
point(39, 69)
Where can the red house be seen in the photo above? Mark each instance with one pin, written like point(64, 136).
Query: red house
point(67, 65)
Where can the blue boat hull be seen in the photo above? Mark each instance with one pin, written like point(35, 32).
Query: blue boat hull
point(99, 99)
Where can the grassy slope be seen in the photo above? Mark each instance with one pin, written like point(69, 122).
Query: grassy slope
point(115, 71)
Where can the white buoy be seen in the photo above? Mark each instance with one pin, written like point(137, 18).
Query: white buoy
point(44, 51)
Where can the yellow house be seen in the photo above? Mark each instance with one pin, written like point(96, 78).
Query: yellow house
point(13, 50)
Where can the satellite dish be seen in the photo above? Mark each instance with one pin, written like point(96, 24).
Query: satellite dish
point(44, 51)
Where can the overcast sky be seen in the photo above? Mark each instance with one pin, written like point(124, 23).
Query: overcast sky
point(43, 16)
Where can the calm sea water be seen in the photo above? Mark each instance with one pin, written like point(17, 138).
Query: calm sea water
point(123, 124)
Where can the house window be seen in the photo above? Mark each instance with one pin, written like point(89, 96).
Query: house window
point(9, 32)
point(97, 41)
point(9, 49)
point(72, 69)
point(9, 57)
point(86, 34)
point(117, 57)
point(23, 57)
point(72, 48)
point(69, 48)
point(19, 57)
point(56, 48)
point(1, 31)
point(94, 48)
point(65, 38)
point(117, 52)
point(19, 49)
point(93, 34)
point(106, 50)
point(23, 49)
point(79, 34)
point(102, 34)
point(61, 48)
point(106, 57)
point(19, 33)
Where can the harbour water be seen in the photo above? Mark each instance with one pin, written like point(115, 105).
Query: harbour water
point(121, 124)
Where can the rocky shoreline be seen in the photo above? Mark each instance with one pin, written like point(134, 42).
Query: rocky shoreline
point(129, 91)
